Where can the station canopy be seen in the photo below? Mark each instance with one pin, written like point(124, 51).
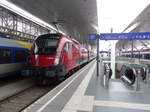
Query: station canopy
point(139, 24)
point(78, 17)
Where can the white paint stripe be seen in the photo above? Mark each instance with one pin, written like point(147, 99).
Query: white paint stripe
point(122, 105)
point(74, 102)
point(46, 104)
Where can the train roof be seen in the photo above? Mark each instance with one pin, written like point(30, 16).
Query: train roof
point(50, 34)
point(26, 45)
point(57, 36)
point(10, 43)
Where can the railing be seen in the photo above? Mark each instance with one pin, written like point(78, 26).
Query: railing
point(131, 76)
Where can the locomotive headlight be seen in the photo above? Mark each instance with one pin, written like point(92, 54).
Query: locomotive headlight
point(56, 62)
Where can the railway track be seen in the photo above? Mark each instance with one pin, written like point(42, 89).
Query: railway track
point(22, 99)
point(10, 79)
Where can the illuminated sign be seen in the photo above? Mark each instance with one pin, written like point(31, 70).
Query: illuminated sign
point(125, 36)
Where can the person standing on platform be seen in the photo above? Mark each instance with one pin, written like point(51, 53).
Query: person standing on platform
point(110, 73)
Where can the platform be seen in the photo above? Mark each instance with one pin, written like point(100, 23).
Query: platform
point(84, 92)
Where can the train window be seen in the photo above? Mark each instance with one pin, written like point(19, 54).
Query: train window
point(45, 46)
point(136, 56)
point(51, 43)
point(75, 51)
point(142, 56)
point(66, 47)
point(147, 56)
point(70, 46)
point(5, 56)
point(20, 56)
point(46, 42)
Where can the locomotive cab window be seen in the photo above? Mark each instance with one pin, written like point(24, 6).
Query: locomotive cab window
point(45, 46)
point(5, 56)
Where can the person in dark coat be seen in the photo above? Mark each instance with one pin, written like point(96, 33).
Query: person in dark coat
point(110, 73)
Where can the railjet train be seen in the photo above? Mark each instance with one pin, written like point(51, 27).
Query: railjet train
point(53, 56)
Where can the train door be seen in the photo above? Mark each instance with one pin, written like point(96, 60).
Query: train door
point(70, 57)
point(65, 55)
point(75, 57)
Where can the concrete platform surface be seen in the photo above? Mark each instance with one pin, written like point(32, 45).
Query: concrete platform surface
point(84, 92)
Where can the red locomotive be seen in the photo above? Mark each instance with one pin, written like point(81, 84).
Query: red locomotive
point(54, 55)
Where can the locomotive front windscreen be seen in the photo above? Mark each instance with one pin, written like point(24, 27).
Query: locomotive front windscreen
point(45, 46)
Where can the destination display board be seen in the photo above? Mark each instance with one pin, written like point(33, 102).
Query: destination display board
point(125, 36)
point(121, 36)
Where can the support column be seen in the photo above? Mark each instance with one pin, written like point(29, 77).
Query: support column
point(113, 60)
point(97, 37)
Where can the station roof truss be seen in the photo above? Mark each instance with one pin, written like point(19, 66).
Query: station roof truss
point(78, 18)
point(19, 28)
